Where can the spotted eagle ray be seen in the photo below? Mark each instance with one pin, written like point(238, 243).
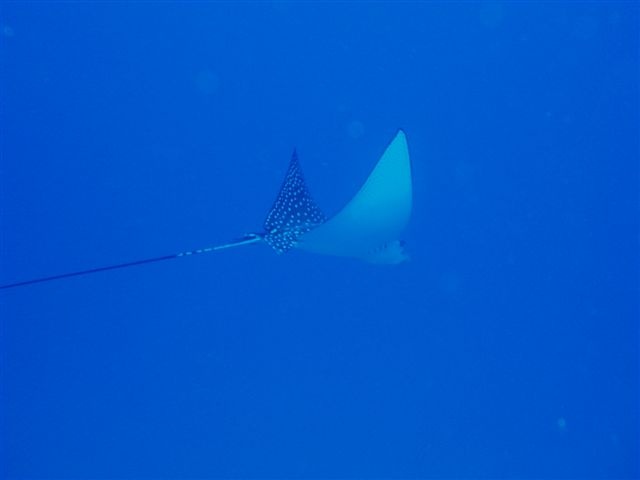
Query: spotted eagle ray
point(368, 227)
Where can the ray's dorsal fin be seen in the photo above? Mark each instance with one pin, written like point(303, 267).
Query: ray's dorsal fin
point(293, 213)
point(369, 226)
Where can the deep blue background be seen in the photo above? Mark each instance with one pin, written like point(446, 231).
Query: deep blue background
point(507, 347)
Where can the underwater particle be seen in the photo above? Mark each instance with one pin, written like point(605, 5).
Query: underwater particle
point(561, 423)
point(615, 18)
point(207, 82)
point(586, 27)
point(491, 14)
point(355, 129)
point(7, 31)
point(464, 173)
point(450, 283)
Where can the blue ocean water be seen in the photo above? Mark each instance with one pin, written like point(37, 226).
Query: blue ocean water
point(506, 348)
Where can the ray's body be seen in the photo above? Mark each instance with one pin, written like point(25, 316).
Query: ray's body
point(368, 227)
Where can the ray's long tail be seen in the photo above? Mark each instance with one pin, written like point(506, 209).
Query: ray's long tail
point(246, 240)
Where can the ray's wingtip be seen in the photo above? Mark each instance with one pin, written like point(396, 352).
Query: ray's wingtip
point(400, 136)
